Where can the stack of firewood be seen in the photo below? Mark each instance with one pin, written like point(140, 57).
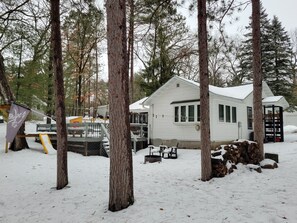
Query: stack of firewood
point(225, 157)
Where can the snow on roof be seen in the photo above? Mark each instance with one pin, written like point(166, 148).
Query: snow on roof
point(238, 92)
point(271, 99)
point(138, 106)
point(276, 100)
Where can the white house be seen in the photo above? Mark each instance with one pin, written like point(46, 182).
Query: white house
point(174, 112)
point(138, 111)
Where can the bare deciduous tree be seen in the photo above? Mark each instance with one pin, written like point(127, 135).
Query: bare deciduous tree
point(6, 93)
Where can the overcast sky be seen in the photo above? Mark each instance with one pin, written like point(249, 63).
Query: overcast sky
point(285, 10)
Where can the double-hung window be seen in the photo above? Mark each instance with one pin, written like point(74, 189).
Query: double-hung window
point(221, 113)
point(234, 115)
point(176, 114)
point(191, 113)
point(250, 117)
point(198, 113)
point(228, 113)
point(183, 114)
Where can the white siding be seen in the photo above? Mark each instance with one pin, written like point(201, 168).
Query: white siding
point(222, 130)
point(162, 114)
point(181, 92)
point(290, 118)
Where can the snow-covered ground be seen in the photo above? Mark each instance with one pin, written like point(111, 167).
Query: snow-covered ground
point(167, 192)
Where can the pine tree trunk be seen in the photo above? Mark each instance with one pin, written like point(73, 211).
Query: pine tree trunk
point(62, 172)
point(121, 169)
point(257, 76)
point(206, 171)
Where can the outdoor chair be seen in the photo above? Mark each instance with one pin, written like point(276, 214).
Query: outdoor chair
point(157, 148)
point(154, 149)
point(171, 151)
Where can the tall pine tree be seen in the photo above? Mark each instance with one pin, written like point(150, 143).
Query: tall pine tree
point(276, 53)
point(246, 56)
point(279, 77)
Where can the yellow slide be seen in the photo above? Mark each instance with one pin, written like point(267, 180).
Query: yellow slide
point(46, 142)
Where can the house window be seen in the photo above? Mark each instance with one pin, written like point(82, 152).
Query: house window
point(250, 117)
point(183, 114)
point(187, 113)
point(176, 114)
point(234, 115)
point(198, 113)
point(228, 113)
point(221, 113)
point(191, 115)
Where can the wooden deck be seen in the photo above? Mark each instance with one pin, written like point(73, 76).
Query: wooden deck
point(89, 138)
point(85, 146)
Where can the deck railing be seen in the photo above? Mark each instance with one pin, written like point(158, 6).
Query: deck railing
point(96, 130)
point(92, 130)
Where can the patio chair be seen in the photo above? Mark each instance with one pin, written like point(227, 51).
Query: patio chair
point(154, 149)
point(158, 147)
point(171, 151)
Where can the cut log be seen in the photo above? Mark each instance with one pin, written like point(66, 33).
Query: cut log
point(219, 168)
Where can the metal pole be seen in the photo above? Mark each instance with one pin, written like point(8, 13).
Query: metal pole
point(6, 147)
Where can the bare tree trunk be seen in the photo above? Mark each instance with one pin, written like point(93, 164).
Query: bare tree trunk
point(131, 48)
point(19, 71)
point(62, 172)
point(257, 76)
point(49, 107)
point(206, 170)
point(121, 193)
point(8, 97)
point(5, 90)
point(96, 85)
point(79, 100)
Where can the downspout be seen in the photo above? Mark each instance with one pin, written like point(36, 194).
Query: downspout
point(150, 124)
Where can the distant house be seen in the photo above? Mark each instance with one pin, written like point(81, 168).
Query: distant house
point(139, 112)
point(174, 112)
point(103, 111)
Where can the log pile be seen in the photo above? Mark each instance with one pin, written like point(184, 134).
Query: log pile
point(225, 158)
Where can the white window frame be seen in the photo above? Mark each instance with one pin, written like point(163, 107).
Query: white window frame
point(223, 119)
point(186, 118)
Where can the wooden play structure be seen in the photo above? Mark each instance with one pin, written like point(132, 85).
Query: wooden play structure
point(43, 137)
